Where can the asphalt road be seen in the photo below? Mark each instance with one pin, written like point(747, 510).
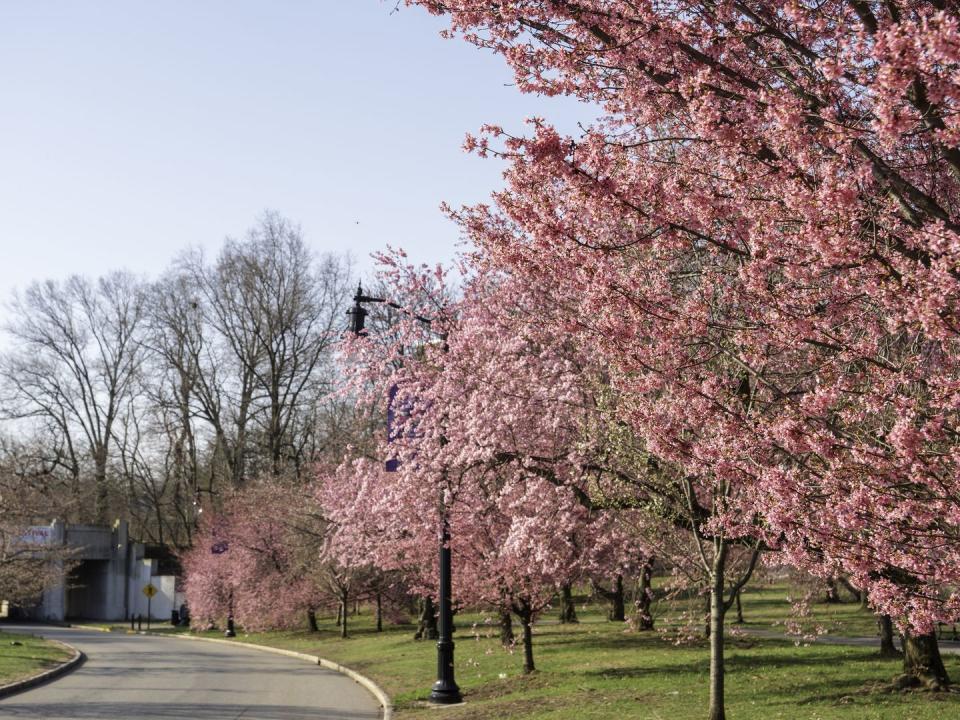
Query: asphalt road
point(137, 677)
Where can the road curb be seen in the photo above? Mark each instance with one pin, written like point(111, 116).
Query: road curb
point(98, 628)
point(46, 675)
point(363, 680)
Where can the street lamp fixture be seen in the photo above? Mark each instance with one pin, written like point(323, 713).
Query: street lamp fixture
point(445, 690)
point(219, 548)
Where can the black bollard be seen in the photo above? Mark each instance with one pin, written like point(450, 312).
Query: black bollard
point(139, 621)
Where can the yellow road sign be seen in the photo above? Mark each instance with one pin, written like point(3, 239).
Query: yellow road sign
point(149, 590)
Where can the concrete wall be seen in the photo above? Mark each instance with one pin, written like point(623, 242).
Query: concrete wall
point(163, 602)
point(108, 579)
point(53, 605)
point(93, 542)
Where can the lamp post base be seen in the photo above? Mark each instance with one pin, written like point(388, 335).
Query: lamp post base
point(445, 690)
point(444, 694)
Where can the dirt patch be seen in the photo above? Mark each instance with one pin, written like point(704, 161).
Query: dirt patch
point(508, 686)
point(493, 709)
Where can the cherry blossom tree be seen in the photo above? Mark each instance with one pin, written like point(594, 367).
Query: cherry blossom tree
point(259, 560)
point(490, 414)
point(760, 237)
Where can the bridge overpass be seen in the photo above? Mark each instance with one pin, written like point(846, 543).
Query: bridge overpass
point(107, 575)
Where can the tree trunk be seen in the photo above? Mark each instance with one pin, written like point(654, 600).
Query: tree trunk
point(275, 433)
point(343, 612)
point(832, 595)
point(312, 621)
point(379, 613)
point(706, 615)
point(922, 661)
point(717, 612)
point(615, 597)
point(427, 622)
point(102, 499)
point(645, 597)
point(887, 648)
point(568, 612)
point(617, 610)
point(739, 610)
point(506, 628)
point(240, 447)
point(526, 616)
point(339, 614)
point(857, 593)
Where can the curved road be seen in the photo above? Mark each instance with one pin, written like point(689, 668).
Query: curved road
point(137, 677)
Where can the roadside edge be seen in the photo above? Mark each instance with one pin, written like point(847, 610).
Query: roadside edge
point(47, 675)
point(96, 628)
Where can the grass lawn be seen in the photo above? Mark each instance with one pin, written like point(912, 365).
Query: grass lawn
point(767, 608)
point(32, 656)
point(596, 670)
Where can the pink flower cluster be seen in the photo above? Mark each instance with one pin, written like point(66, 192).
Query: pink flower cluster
point(760, 243)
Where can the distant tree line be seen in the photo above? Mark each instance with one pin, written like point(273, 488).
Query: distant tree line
point(149, 399)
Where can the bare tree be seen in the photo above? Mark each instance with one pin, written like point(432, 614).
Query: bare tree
point(271, 313)
point(76, 354)
point(161, 396)
point(28, 495)
point(173, 469)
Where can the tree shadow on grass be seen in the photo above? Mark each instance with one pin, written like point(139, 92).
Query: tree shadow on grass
point(600, 641)
point(864, 689)
point(788, 688)
point(741, 662)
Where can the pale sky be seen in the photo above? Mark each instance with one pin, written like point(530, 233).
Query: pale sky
point(130, 130)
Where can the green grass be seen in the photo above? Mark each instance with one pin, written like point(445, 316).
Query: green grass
point(596, 670)
point(768, 607)
point(32, 656)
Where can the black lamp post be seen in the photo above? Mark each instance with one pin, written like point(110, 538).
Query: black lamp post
point(445, 690)
point(219, 548)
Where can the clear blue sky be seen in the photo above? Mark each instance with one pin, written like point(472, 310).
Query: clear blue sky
point(130, 130)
